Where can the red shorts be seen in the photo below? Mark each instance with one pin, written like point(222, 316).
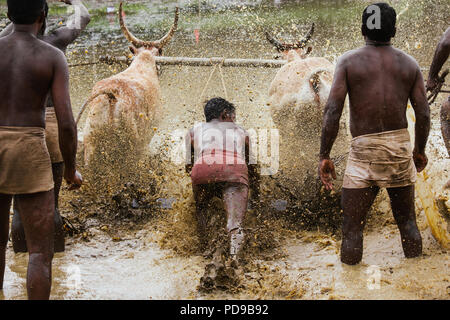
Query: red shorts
point(221, 166)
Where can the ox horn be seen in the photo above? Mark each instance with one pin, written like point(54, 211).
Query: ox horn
point(141, 43)
point(277, 44)
point(308, 36)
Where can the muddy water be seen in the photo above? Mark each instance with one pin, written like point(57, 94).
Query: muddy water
point(157, 259)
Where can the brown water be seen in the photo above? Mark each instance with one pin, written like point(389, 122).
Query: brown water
point(157, 259)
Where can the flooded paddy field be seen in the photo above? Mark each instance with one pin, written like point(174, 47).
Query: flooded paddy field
point(121, 251)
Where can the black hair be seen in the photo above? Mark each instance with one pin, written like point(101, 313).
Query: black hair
point(215, 107)
point(386, 29)
point(26, 11)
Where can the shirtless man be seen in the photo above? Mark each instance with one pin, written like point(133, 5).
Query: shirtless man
point(440, 57)
point(60, 39)
point(379, 80)
point(29, 69)
point(219, 151)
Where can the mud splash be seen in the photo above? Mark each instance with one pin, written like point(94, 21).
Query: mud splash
point(128, 247)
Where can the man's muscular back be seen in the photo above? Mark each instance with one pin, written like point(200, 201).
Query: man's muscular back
point(30, 65)
point(380, 81)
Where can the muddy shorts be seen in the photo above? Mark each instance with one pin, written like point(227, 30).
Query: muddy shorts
point(25, 165)
point(219, 166)
point(381, 159)
point(52, 136)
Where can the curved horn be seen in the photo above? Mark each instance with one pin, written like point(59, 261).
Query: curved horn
point(140, 43)
point(130, 37)
point(277, 44)
point(308, 36)
point(165, 40)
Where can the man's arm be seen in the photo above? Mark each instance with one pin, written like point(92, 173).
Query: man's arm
point(440, 57)
point(333, 110)
point(66, 124)
point(7, 31)
point(421, 108)
point(64, 36)
point(330, 125)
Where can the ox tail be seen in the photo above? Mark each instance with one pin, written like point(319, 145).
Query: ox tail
point(111, 97)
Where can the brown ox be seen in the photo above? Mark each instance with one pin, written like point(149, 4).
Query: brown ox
point(128, 102)
point(297, 97)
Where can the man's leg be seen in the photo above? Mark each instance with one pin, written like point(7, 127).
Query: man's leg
point(18, 238)
point(235, 197)
point(37, 214)
point(17, 231)
point(202, 196)
point(402, 203)
point(445, 124)
point(355, 204)
point(5, 205)
point(58, 171)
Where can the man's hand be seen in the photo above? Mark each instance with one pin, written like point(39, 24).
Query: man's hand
point(73, 179)
point(327, 173)
point(432, 83)
point(420, 160)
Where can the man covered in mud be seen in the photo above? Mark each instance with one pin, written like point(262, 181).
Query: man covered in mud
point(219, 151)
point(59, 38)
point(440, 57)
point(379, 80)
point(29, 69)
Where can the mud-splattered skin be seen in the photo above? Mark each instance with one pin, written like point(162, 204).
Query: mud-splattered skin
point(205, 138)
point(445, 124)
point(60, 38)
point(379, 80)
point(27, 82)
point(440, 57)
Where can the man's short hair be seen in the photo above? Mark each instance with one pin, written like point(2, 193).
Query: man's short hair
point(215, 107)
point(25, 11)
point(385, 30)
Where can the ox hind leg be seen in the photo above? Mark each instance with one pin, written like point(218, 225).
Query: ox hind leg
point(100, 113)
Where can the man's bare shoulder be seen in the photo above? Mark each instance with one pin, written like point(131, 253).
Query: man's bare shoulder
point(53, 54)
point(52, 50)
point(408, 59)
point(349, 56)
point(447, 33)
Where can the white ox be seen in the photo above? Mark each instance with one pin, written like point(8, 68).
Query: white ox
point(297, 97)
point(303, 82)
point(130, 100)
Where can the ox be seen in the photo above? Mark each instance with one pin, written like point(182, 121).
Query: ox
point(297, 97)
point(129, 102)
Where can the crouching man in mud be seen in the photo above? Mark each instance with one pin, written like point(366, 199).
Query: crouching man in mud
point(59, 38)
point(29, 69)
point(219, 151)
point(440, 57)
point(379, 80)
